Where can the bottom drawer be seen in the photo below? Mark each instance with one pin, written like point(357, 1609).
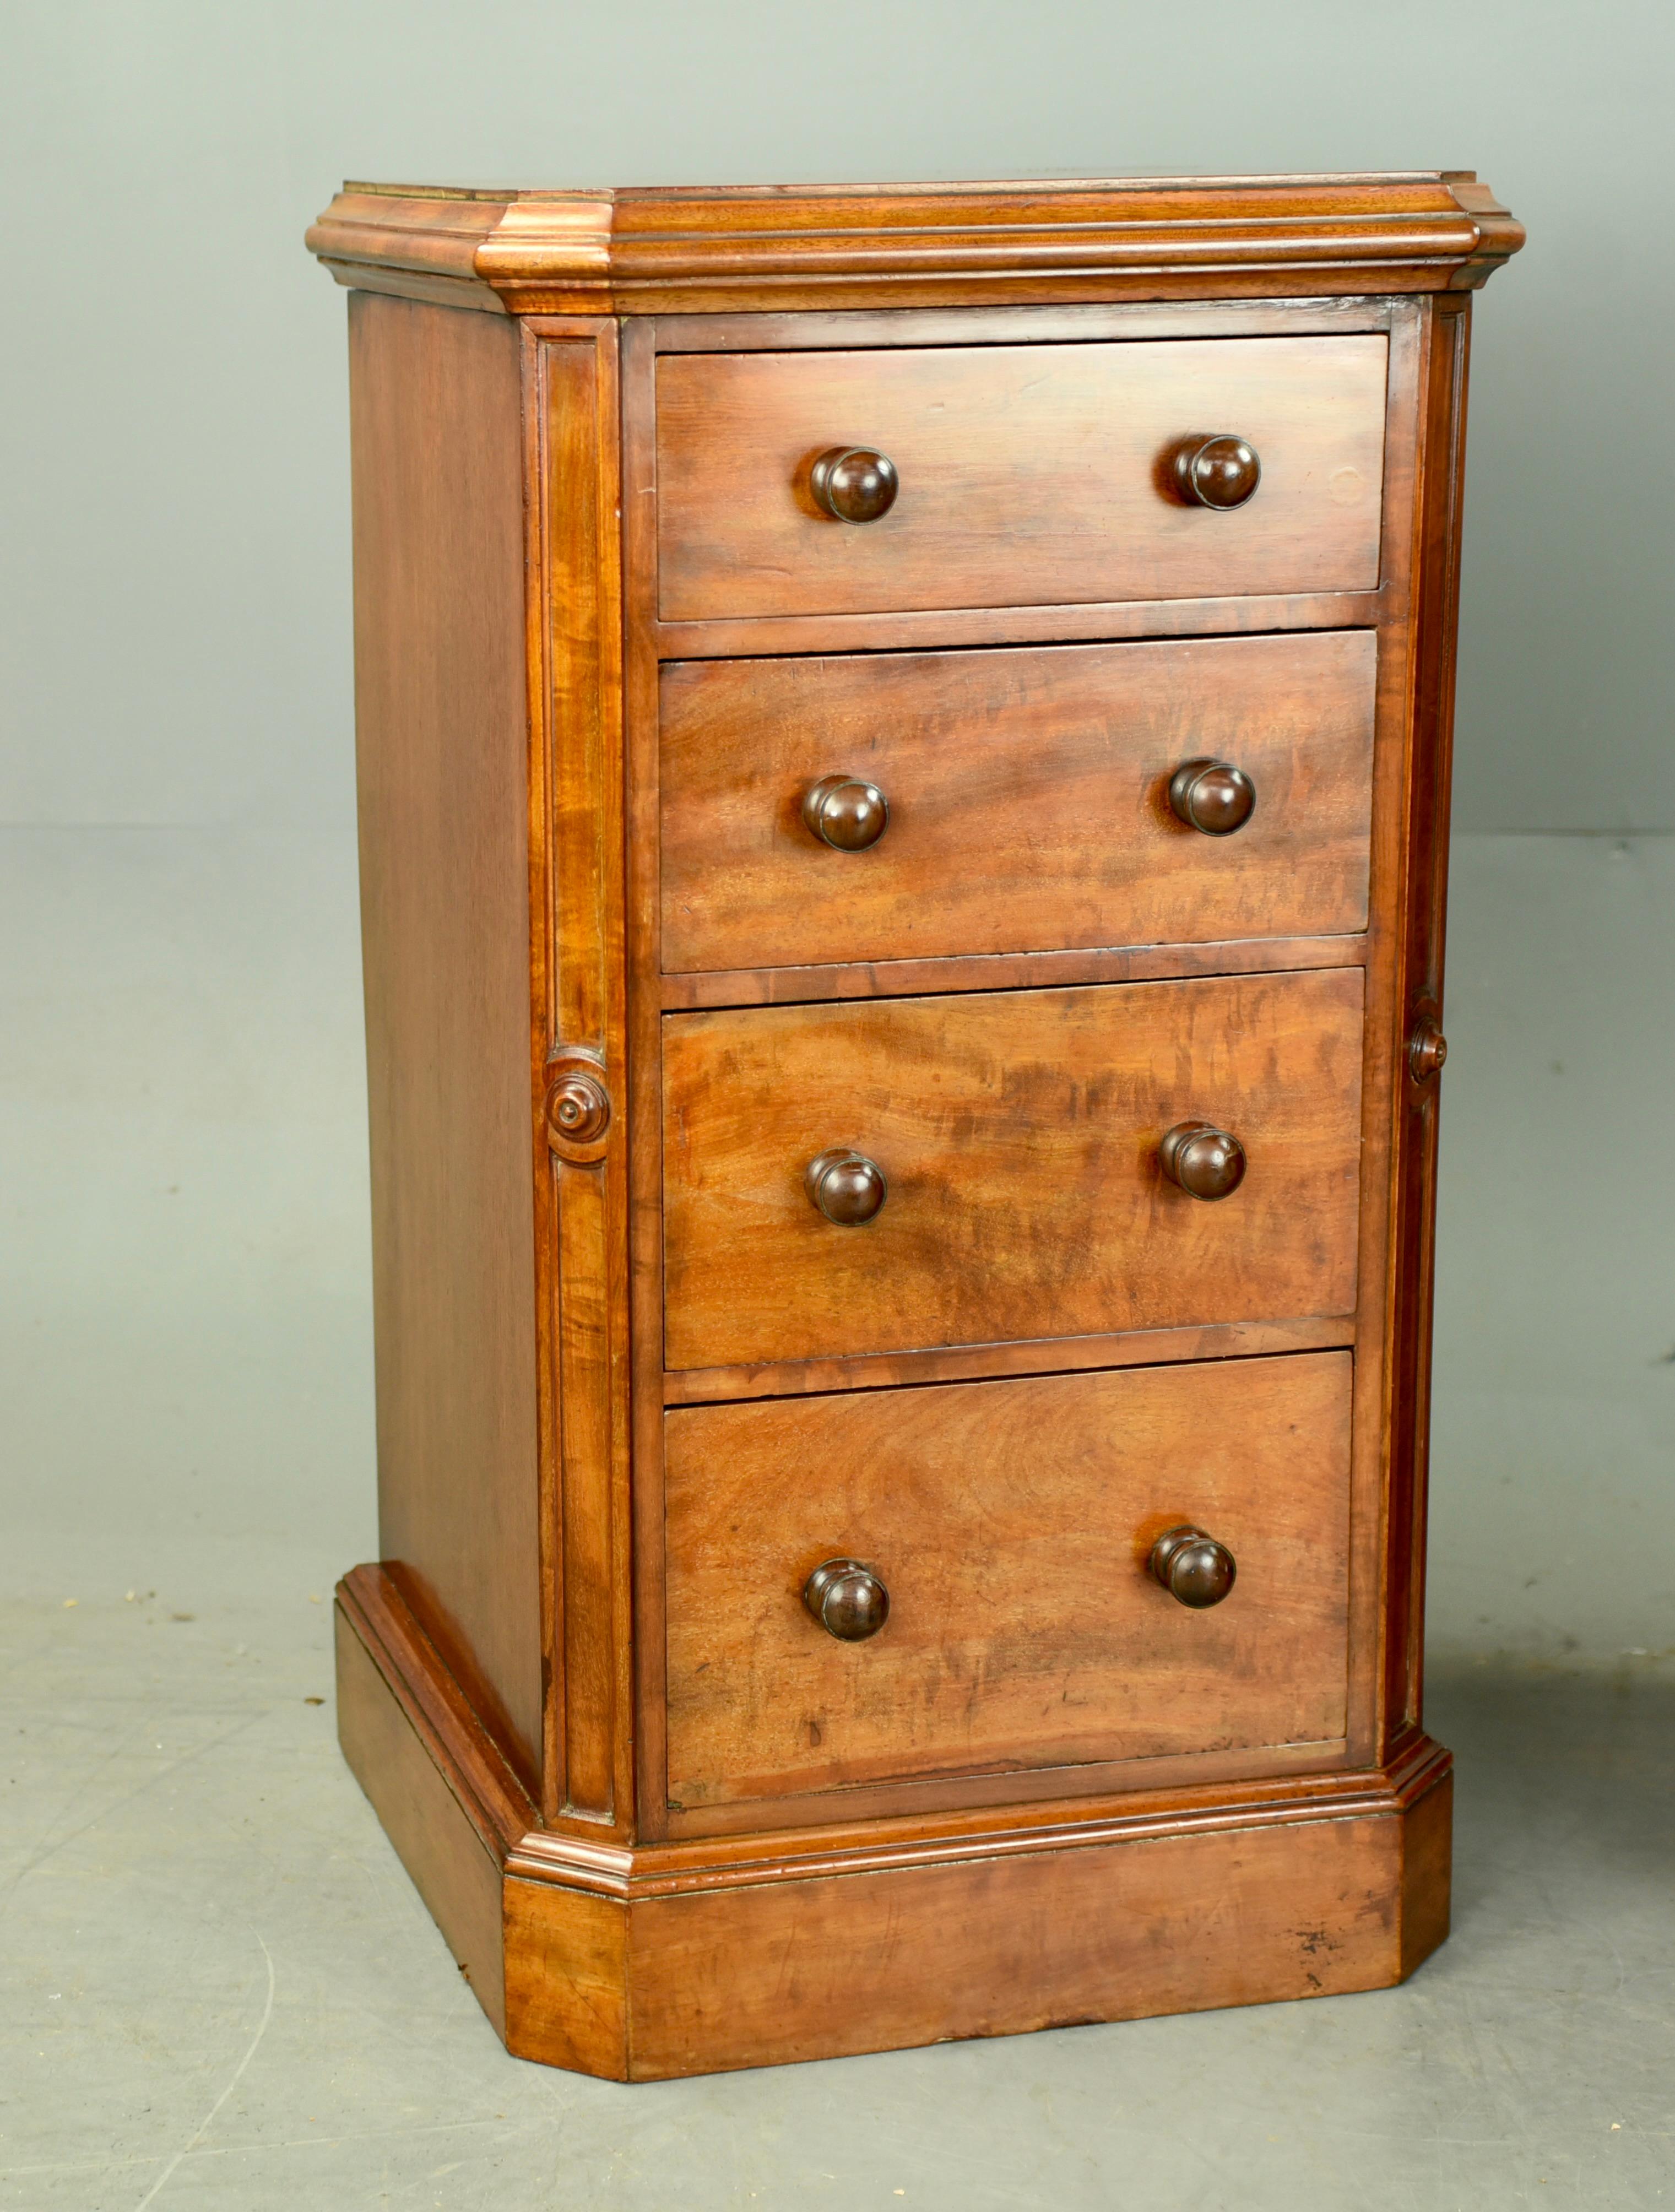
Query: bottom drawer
point(1010, 1523)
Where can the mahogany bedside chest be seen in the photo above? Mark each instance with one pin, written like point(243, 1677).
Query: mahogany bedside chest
point(904, 744)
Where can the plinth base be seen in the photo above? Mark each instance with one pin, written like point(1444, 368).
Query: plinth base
point(644, 1962)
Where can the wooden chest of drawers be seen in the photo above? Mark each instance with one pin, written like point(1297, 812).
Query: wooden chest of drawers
point(903, 748)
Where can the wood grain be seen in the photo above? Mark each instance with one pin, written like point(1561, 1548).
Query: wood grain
point(1179, 1925)
point(755, 248)
point(1019, 1131)
point(1010, 1523)
point(1003, 971)
point(584, 1290)
point(1144, 1348)
point(1028, 473)
point(1028, 800)
point(455, 1871)
point(601, 639)
point(441, 749)
point(568, 1982)
point(1419, 926)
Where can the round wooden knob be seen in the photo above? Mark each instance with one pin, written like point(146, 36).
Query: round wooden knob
point(577, 1105)
point(847, 813)
point(853, 483)
point(1193, 1568)
point(1213, 796)
point(847, 1600)
point(1205, 1161)
point(1220, 472)
point(1427, 1050)
point(847, 1187)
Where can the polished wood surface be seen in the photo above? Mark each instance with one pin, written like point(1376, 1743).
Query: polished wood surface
point(441, 766)
point(1192, 1567)
point(1215, 797)
point(1141, 1347)
point(682, 250)
point(995, 766)
point(456, 1874)
point(1012, 1523)
point(851, 484)
point(1018, 1133)
point(998, 1946)
point(648, 1357)
point(1029, 474)
point(579, 991)
point(845, 1186)
point(1219, 472)
point(1204, 1161)
point(997, 971)
point(847, 1599)
point(673, 1959)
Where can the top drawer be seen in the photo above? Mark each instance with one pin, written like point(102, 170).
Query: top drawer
point(1028, 474)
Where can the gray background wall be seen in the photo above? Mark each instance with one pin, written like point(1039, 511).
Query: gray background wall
point(183, 1144)
point(174, 594)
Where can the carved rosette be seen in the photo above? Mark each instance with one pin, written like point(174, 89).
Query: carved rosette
point(578, 1106)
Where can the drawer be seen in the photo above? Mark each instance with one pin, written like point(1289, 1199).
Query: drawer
point(1018, 1134)
point(1027, 795)
point(1010, 1523)
point(1028, 474)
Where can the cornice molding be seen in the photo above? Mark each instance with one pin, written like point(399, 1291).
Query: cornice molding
point(674, 250)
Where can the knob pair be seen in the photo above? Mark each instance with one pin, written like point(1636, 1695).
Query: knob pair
point(850, 1602)
point(1198, 1157)
point(851, 814)
point(858, 484)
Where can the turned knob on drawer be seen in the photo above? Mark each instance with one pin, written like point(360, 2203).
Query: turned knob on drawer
point(1207, 1162)
point(847, 1187)
point(853, 483)
point(1192, 1567)
point(1220, 472)
point(847, 1600)
point(847, 813)
point(1212, 796)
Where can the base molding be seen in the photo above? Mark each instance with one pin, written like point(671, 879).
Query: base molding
point(645, 1963)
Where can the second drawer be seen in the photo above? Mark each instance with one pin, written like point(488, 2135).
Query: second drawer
point(1029, 798)
point(1016, 1139)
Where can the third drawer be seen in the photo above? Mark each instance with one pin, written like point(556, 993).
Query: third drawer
point(1018, 1140)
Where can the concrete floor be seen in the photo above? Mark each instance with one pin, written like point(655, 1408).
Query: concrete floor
point(216, 1986)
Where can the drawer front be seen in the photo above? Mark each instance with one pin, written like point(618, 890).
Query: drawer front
point(1029, 798)
point(1018, 1134)
point(1010, 1523)
point(1029, 475)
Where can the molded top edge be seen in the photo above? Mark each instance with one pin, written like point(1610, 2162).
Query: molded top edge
point(671, 249)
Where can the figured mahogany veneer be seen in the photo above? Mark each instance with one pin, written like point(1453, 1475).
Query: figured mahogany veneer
point(1026, 473)
point(1028, 794)
point(1019, 1134)
point(1012, 1523)
point(903, 756)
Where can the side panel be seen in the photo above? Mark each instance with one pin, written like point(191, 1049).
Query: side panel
point(1423, 924)
point(442, 753)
